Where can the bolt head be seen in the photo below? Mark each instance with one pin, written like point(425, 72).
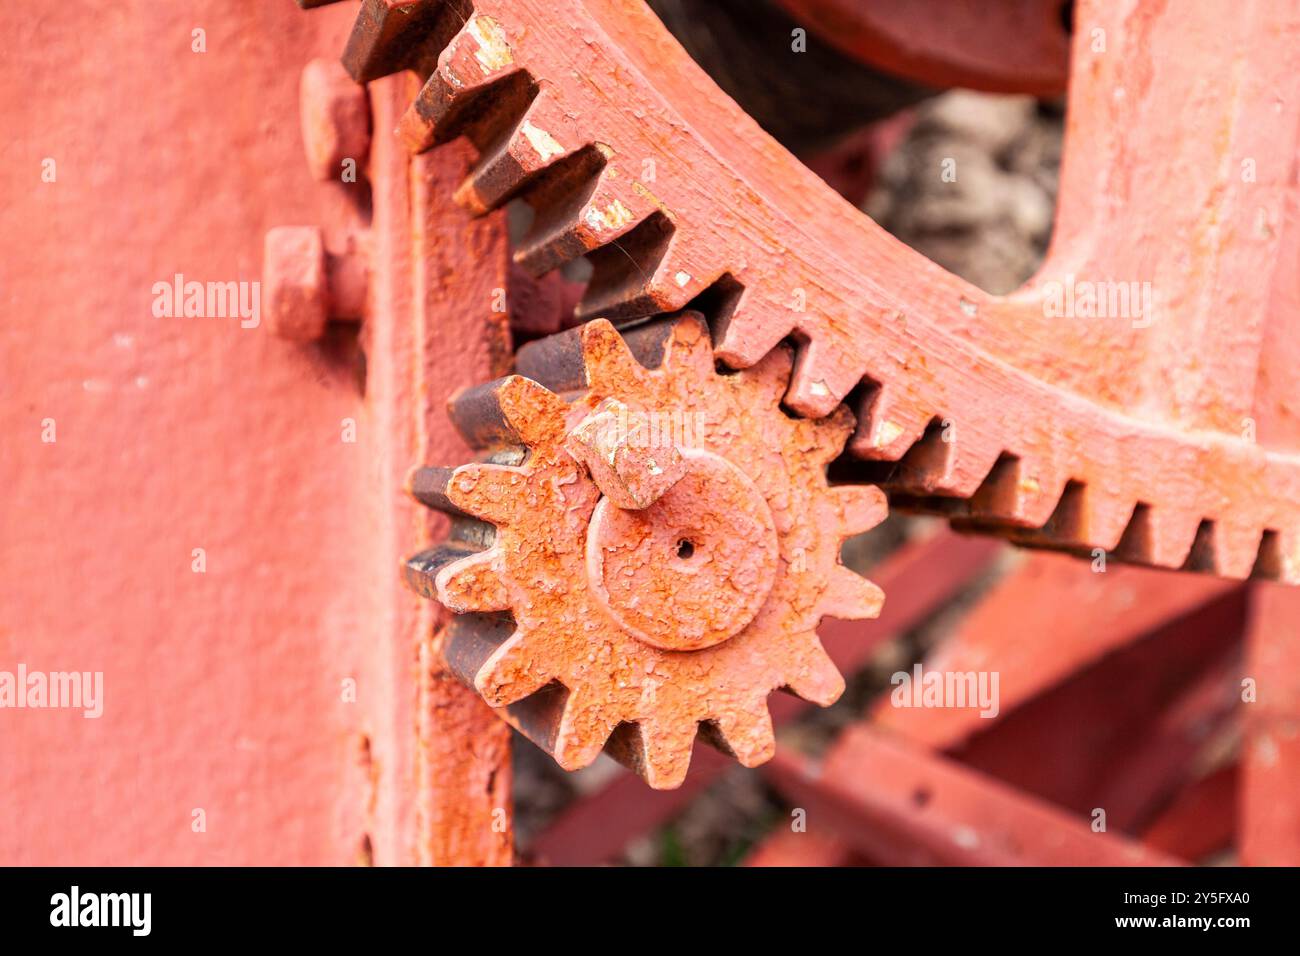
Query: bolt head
point(335, 114)
point(632, 463)
point(294, 283)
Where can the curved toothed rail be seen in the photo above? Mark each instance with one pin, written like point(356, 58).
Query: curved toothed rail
point(983, 408)
point(1163, 435)
point(593, 625)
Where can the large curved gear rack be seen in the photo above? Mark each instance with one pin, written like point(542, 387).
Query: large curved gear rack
point(993, 411)
point(591, 113)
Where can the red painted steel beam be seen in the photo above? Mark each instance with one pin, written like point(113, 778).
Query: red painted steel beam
point(463, 781)
point(1041, 625)
point(1201, 821)
point(1270, 764)
point(899, 805)
point(919, 579)
point(1079, 722)
point(1124, 733)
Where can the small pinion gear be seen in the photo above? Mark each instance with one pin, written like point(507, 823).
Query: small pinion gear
point(646, 549)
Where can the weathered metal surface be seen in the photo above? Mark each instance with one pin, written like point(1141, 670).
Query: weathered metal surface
point(335, 120)
point(1146, 433)
point(900, 805)
point(640, 628)
point(231, 583)
point(700, 566)
point(462, 779)
point(259, 691)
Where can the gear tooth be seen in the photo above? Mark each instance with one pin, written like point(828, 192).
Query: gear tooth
point(1159, 537)
point(513, 671)
point(389, 37)
point(511, 410)
point(1079, 520)
point(659, 753)
point(974, 457)
point(749, 331)
point(473, 584)
point(667, 758)
point(584, 729)
point(953, 463)
point(473, 68)
point(1279, 557)
point(888, 425)
point(428, 486)
point(1104, 522)
point(1225, 548)
point(609, 361)
point(812, 674)
point(819, 382)
point(1018, 493)
point(533, 412)
point(927, 463)
point(850, 597)
point(823, 439)
point(422, 570)
point(745, 734)
point(470, 639)
point(862, 507)
point(769, 377)
point(598, 210)
point(486, 491)
point(640, 275)
point(689, 350)
point(544, 136)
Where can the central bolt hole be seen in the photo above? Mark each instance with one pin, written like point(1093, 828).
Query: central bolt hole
point(685, 549)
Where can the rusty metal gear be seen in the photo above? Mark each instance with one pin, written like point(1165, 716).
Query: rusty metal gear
point(658, 558)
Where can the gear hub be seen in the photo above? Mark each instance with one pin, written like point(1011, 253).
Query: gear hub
point(647, 548)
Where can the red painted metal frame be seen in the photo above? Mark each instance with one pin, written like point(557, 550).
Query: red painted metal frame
point(1009, 631)
point(901, 805)
point(1138, 688)
point(1202, 820)
point(1269, 778)
point(291, 691)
